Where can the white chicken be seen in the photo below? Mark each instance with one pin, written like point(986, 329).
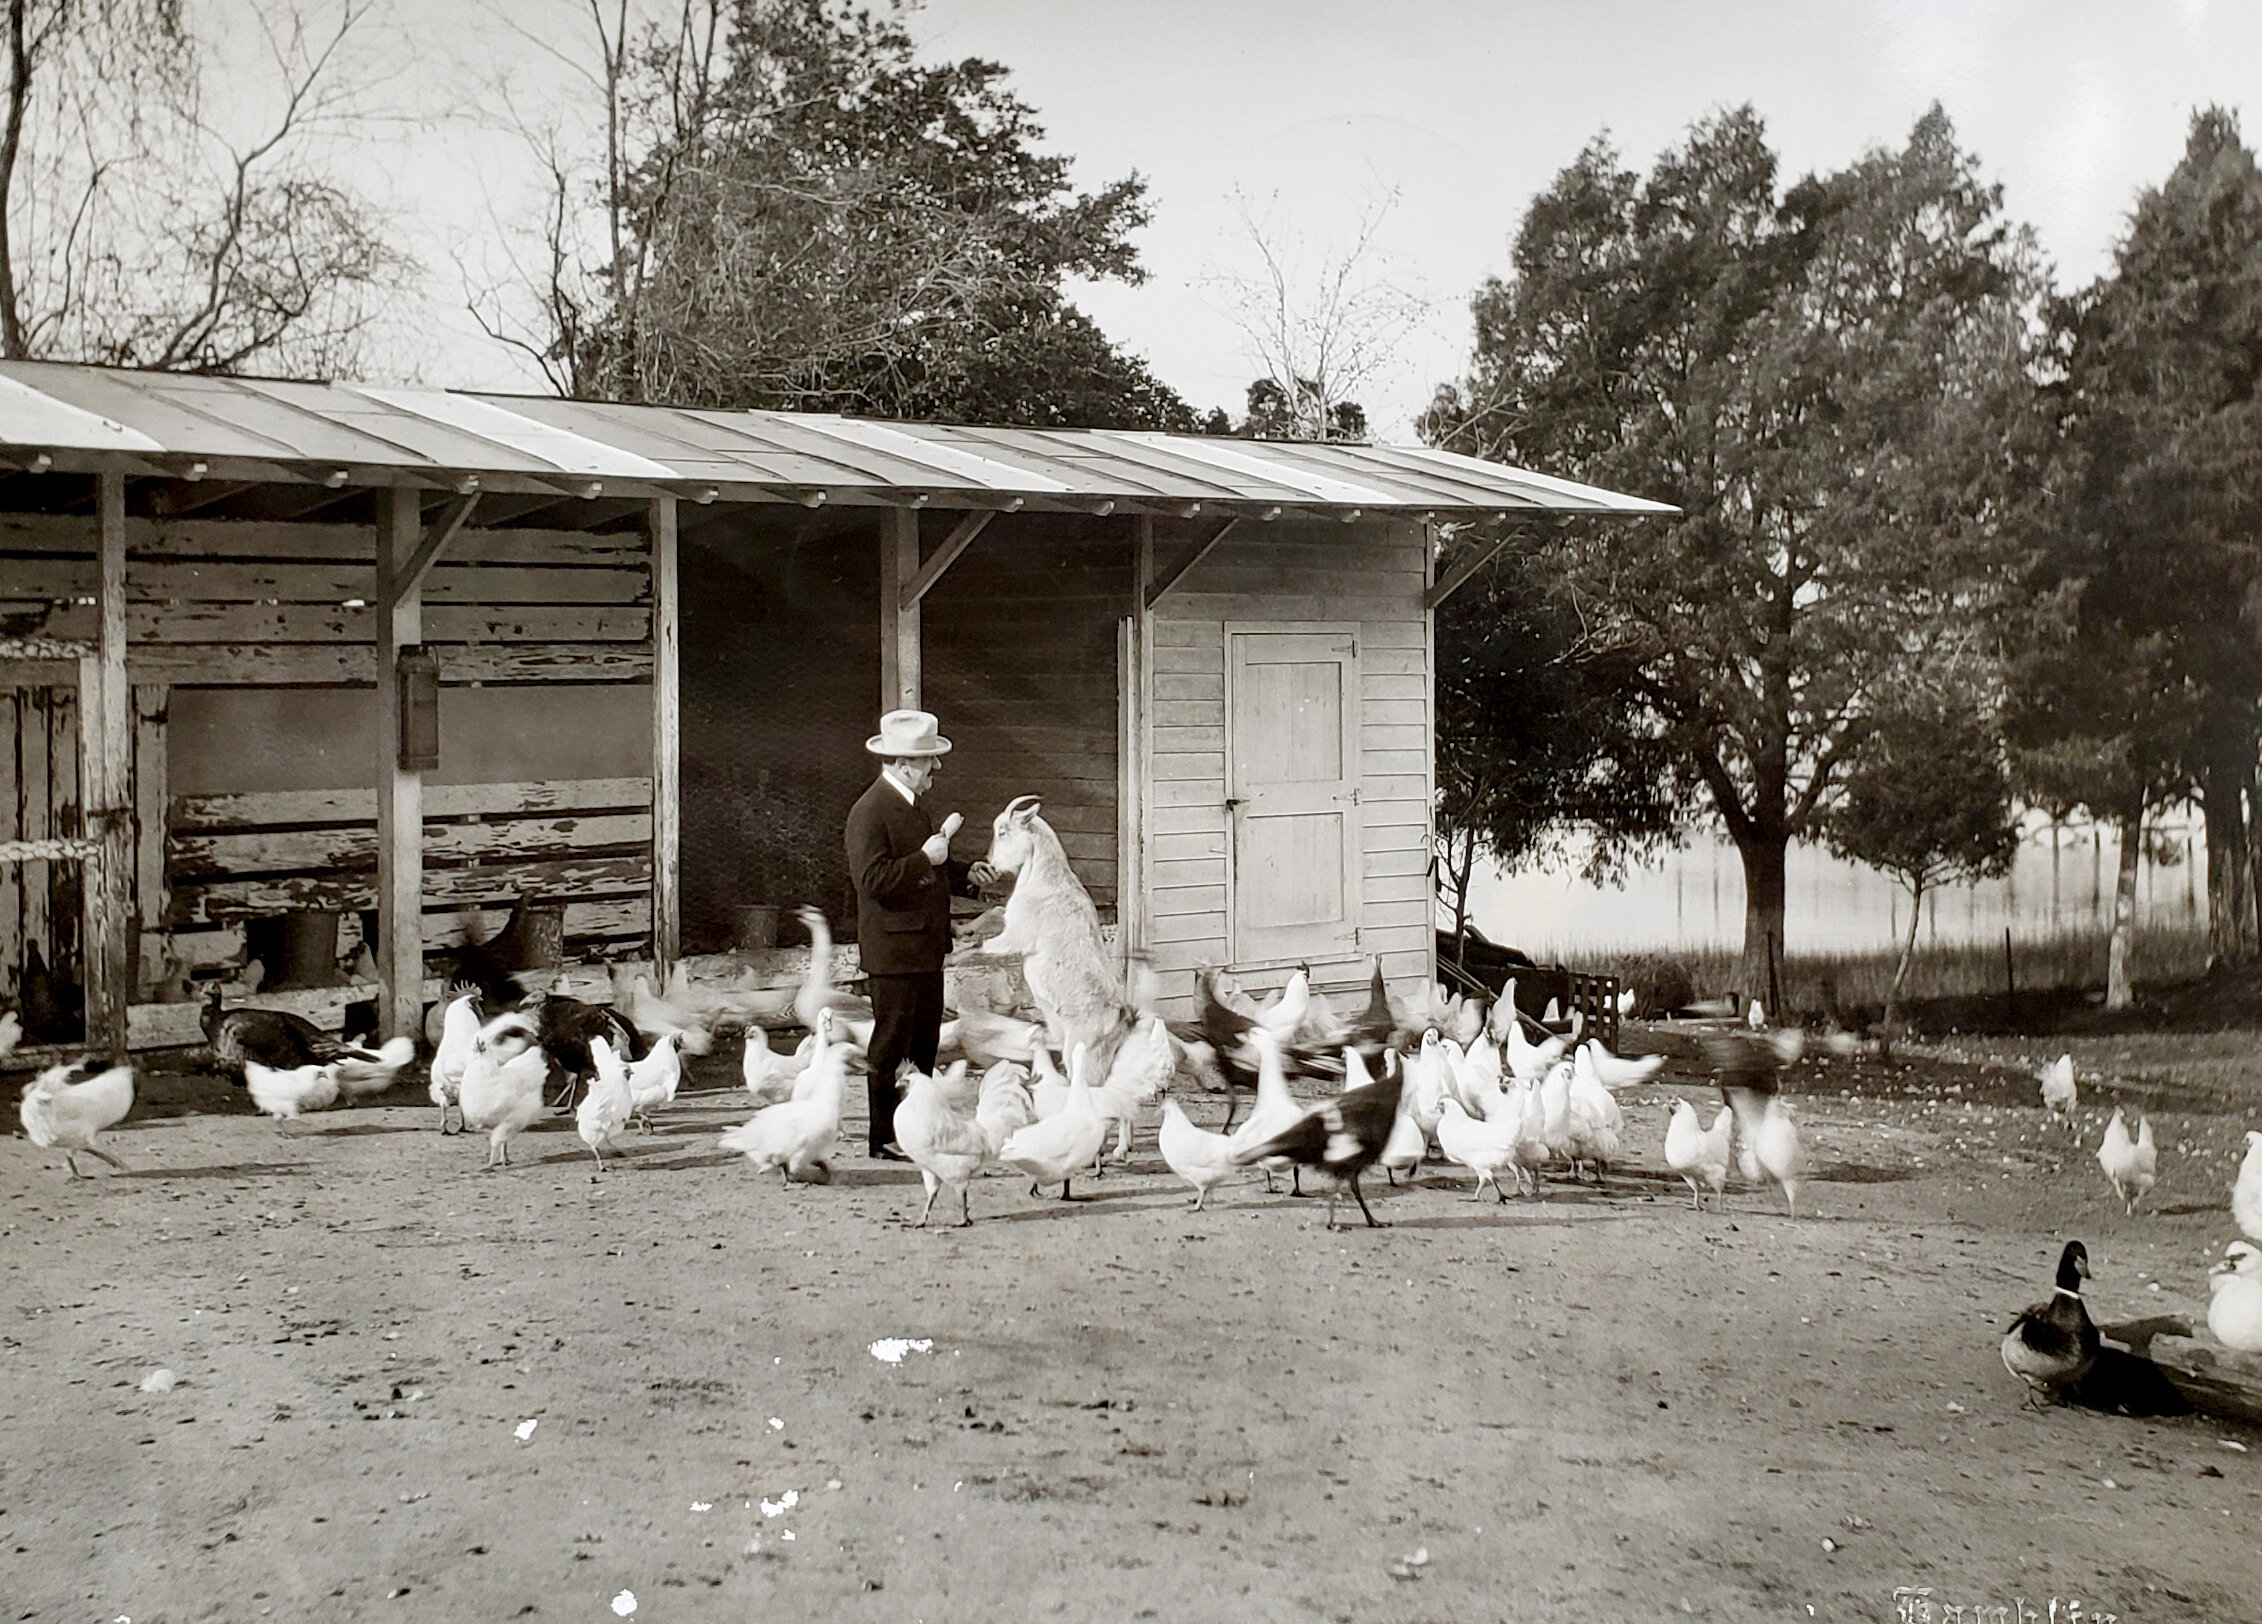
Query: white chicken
point(1529, 1061)
point(68, 1107)
point(459, 1030)
point(287, 1095)
point(1202, 1158)
point(1697, 1153)
point(794, 1135)
point(1408, 1143)
point(1003, 1106)
point(947, 1145)
point(1428, 1081)
point(11, 1032)
point(364, 1072)
point(1051, 1151)
point(769, 1075)
point(604, 1110)
point(503, 1082)
point(1614, 1072)
point(2132, 1165)
point(1776, 1145)
point(1483, 1147)
point(654, 1079)
point(2059, 1095)
point(1284, 1015)
point(1276, 1110)
point(656, 1017)
point(2234, 1312)
point(2246, 1190)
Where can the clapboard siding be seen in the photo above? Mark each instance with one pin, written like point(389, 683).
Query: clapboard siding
point(1370, 576)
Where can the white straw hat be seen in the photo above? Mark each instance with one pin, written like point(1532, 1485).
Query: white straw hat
point(908, 733)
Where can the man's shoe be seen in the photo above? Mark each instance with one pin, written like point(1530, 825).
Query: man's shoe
point(889, 1153)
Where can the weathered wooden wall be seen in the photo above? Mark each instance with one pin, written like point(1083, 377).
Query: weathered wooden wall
point(1020, 641)
point(260, 606)
point(1370, 576)
point(39, 797)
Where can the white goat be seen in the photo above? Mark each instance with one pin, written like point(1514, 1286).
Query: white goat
point(1051, 923)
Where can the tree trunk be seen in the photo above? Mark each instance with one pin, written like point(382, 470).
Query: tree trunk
point(2118, 994)
point(1459, 873)
point(2230, 916)
point(1901, 970)
point(1764, 891)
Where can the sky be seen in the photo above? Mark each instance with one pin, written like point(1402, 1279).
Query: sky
point(1439, 121)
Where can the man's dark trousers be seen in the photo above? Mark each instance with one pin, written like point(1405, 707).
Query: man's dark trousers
point(907, 1012)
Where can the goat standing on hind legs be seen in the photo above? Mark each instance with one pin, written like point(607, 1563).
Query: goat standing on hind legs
point(1051, 923)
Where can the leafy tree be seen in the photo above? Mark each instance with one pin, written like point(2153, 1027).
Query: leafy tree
point(1928, 802)
point(2142, 680)
point(799, 214)
point(1534, 736)
point(1832, 382)
point(1302, 413)
point(136, 231)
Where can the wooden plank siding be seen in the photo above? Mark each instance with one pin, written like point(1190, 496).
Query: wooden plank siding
point(267, 604)
point(1021, 664)
point(583, 843)
point(1369, 576)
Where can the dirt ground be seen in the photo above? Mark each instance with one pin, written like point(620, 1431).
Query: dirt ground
point(409, 1390)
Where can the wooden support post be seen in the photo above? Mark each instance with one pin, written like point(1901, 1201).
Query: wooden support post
point(1134, 665)
point(667, 741)
point(106, 740)
point(900, 676)
point(152, 899)
point(1460, 573)
point(400, 790)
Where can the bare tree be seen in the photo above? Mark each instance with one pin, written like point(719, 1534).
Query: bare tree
point(1319, 324)
point(161, 209)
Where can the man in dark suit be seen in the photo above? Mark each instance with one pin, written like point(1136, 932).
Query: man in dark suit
point(899, 860)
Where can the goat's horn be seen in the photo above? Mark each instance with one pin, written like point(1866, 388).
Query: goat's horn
point(1022, 803)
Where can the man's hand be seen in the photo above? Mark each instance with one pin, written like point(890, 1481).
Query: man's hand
point(937, 847)
point(981, 873)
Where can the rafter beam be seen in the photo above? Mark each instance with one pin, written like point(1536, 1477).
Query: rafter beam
point(1458, 576)
point(436, 536)
point(960, 538)
point(1166, 579)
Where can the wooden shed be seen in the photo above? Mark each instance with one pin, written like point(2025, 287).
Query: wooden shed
point(660, 636)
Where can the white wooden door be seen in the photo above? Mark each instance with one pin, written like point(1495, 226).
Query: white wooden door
point(1292, 791)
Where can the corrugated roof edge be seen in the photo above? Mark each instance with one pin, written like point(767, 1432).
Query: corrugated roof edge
point(74, 417)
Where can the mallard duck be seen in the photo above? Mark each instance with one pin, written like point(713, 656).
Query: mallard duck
point(2051, 1346)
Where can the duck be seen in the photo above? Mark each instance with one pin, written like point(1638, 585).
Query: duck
point(2051, 1345)
point(2132, 1165)
point(1051, 1151)
point(69, 1106)
point(1699, 1154)
point(2235, 1312)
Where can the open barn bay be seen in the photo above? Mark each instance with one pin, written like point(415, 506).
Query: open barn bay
point(409, 1390)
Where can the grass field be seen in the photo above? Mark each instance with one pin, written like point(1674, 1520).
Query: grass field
point(2074, 961)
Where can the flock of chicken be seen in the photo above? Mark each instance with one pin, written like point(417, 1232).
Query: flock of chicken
point(2055, 1349)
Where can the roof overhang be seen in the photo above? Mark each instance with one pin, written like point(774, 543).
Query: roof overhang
point(83, 419)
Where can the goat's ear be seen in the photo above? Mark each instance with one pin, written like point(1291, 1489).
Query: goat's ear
point(1024, 813)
